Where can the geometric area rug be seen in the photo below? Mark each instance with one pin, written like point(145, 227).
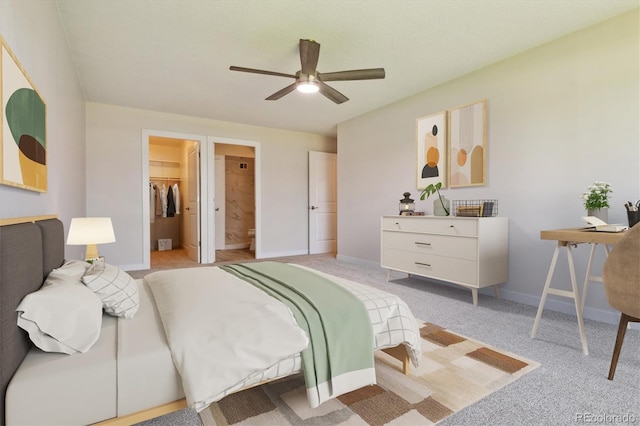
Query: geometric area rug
point(454, 372)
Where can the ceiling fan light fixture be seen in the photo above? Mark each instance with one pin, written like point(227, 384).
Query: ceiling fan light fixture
point(309, 80)
point(307, 87)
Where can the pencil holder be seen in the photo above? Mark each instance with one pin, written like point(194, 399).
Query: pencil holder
point(634, 217)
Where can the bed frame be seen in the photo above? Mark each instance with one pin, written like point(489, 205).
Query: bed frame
point(30, 248)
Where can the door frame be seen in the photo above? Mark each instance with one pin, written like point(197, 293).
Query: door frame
point(146, 225)
point(207, 189)
point(220, 222)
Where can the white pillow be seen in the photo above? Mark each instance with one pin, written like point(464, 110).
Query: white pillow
point(61, 317)
point(117, 290)
point(70, 271)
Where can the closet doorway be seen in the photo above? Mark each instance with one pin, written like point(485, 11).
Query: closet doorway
point(234, 202)
point(173, 201)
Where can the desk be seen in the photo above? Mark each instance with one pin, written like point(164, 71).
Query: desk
point(566, 238)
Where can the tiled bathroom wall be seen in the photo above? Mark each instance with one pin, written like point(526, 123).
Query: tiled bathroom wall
point(240, 200)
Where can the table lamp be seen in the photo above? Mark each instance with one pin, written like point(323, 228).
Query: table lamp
point(91, 231)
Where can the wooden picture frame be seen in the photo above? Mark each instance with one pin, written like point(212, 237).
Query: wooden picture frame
point(431, 150)
point(23, 140)
point(468, 145)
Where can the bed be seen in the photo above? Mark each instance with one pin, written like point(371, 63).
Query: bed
point(128, 375)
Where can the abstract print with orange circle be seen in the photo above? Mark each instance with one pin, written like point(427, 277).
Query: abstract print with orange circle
point(432, 154)
point(467, 145)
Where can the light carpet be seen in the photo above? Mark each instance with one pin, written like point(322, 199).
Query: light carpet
point(455, 372)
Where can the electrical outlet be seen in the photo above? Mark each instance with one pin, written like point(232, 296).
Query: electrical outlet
point(98, 262)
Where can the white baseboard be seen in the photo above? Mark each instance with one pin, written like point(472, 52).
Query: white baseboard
point(569, 308)
point(284, 254)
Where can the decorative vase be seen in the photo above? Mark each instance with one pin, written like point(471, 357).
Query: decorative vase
point(441, 207)
point(602, 214)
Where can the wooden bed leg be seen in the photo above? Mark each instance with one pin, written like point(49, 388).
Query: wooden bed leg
point(140, 416)
point(400, 353)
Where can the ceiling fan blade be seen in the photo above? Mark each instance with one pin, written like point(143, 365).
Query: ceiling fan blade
point(255, 71)
point(332, 93)
point(367, 74)
point(280, 93)
point(309, 52)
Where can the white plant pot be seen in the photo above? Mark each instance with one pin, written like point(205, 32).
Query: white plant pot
point(602, 214)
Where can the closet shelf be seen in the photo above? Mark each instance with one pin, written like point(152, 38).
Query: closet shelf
point(163, 162)
point(164, 178)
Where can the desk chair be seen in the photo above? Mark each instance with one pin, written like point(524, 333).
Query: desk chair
point(621, 278)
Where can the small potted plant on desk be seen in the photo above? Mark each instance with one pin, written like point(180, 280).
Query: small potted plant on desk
point(596, 200)
point(439, 209)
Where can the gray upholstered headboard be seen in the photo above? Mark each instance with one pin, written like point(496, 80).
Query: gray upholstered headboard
point(28, 252)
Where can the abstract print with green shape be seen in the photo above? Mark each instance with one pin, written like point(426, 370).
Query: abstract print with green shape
point(25, 114)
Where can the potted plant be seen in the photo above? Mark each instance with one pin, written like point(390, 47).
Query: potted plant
point(432, 189)
point(596, 199)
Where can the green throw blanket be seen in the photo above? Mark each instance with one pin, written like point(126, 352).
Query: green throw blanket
point(339, 357)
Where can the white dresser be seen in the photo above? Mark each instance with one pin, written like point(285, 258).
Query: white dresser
point(469, 251)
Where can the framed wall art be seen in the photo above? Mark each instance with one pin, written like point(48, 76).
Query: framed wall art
point(467, 144)
point(431, 143)
point(23, 141)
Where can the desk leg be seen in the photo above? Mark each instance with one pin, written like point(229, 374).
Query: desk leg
point(576, 299)
point(574, 294)
point(543, 298)
point(588, 277)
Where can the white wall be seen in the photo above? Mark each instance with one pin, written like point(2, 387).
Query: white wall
point(114, 175)
point(560, 116)
point(33, 32)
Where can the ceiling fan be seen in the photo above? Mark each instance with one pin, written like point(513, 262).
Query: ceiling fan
point(309, 80)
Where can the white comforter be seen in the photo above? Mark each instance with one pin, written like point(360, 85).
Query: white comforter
point(211, 339)
point(210, 317)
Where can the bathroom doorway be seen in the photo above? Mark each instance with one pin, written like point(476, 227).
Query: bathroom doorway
point(234, 202)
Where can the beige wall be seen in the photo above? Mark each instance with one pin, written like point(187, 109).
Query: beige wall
point(560, 116)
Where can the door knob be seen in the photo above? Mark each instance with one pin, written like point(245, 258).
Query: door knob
point(313, 207)
point(187, 208)
point(217, 209)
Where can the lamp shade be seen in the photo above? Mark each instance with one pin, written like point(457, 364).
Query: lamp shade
point(90, 230)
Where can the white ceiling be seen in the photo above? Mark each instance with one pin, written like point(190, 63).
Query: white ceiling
point(174, 55)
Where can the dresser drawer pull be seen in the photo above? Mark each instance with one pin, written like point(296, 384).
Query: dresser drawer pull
point(422, 244)
point(423, 264)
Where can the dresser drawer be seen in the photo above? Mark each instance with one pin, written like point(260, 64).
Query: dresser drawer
point(462, 271)
point(433, 244)
point(432, 224)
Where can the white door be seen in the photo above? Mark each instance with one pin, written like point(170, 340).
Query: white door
point(323, 202)
point(219, 203)
point(193, 208)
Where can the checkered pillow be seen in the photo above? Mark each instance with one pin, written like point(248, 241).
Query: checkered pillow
point(117, 290)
